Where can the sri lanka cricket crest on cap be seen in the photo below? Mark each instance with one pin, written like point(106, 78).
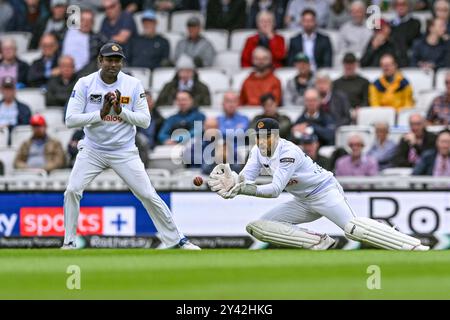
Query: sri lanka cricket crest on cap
point(260, 125)
point(115, 48)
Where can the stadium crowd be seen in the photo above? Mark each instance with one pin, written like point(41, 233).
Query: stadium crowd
point(327, 103)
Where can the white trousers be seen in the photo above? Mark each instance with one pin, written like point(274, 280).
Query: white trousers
point(330, 203)
point(90, 163)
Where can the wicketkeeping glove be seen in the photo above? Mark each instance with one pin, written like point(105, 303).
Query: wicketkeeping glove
point(222, 179)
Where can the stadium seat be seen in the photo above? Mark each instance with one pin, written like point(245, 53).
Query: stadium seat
point(210, 113)
point(285, 74)
point(215, 79)
point(19, 135)
point(62, 134)
point(229, 61)
point(179, 19)
point(217, 99)
point(370, 74)
point(239, 78)
point(334, 73)
point(33, 97)
point(167, 157)
point(54, 116)
point(293, 112)
point(163, 22)
point(326, 151)
point(160, 77)
point(425, 99)
point(239, 37)
point(167, 111)
point(436, 129)
point(98, 20)
point(30, 56)
point(403, 116)
point(143, 74)
point(4, 137)
point(423, 17)
point(397, 172)
point(250, 112)
point(440, 79)
point(419, 79)
point(218, 38)
point(368, 116)
point(344, 132)
point(29, 173)
point(22, 39)
point(7, 156)
point(63, 174)
point(173, 39)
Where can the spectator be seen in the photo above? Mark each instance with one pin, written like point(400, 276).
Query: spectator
point(40, 151)
point(195, 45)
point(356, 163)
point(333, 101)
point(28, 14)
point(12, 112)
point(296, 8)
point(47, 66)
point(379, 45)
point(11, 65)
point(354, 34)
point(383, 149)
point(186, 79)
point(231, 119)
point(314, 121)
point(436, 162)
point(441, 10)
point(405, 29)
point(270, 108)
point(226, 14)
point(432, 51)
point(55, 24)
point(2, 168)
point(150, 134)
point(118, 25)
point(261, 80)
point(391, 89)
point(296, 87)
point(310, 145)
point(149, 50)
point(72, 147)
point(353, 85)
point(278, 8)
point(267, 38)
point(186, 117)
point(338, 14)
point(439, 111)
point(315, 45)
point(60, 87)
point(413, 144)
point(6, 13)
point(83, 44)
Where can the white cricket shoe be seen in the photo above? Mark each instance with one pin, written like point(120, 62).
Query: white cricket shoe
point(326, 242)
point(69, 246)
point(185, 244)
point(421, 248)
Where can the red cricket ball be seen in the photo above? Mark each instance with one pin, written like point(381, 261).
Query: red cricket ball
point(198, 181)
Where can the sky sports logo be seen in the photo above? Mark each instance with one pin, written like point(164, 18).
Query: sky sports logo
point(49, 221)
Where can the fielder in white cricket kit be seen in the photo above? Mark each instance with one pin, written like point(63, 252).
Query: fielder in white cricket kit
point(109, 104)
point(316, 193)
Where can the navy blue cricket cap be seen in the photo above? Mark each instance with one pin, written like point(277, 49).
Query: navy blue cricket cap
point(112, 49)
point(267, 124)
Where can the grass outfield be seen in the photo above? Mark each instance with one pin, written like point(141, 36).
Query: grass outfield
point(223, 274)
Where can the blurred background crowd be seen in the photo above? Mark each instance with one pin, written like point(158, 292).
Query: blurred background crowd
point(360, 94)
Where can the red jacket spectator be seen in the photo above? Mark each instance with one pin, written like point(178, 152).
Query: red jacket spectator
point(276, 45)
point(256, 86)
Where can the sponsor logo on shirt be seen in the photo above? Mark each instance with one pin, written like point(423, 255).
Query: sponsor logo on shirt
point(73, 94)
point(142, 95)
point(112, 118)
point(95, 98)
point(287, 160)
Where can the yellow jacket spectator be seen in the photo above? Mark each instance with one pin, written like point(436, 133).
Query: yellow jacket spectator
point(391, 89)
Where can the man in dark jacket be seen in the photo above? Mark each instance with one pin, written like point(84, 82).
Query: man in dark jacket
point(55, 24)
point(42, 69)
point(380, 44)
point(12, 112)
point(314, 121)
point(229, 15)
point(10, 65)
point(186, 79)
point(149, 50)
point(436, 162)
point(413, 144)
point(60, 87)
point(317, 45)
